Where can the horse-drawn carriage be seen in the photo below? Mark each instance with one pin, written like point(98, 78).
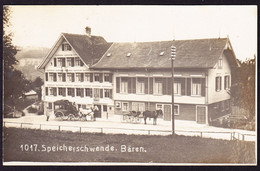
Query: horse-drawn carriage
point(65, 110)
point(136, 117)
point(131, 117)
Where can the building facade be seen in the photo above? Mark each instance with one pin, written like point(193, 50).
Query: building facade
point(202, 77)
point(68, 77)
point(120, 77)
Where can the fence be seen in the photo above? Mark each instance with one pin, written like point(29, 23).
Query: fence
point(81, 129)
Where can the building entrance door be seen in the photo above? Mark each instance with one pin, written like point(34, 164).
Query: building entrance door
point(201, 114)
point(167, 115)
point(98, 114)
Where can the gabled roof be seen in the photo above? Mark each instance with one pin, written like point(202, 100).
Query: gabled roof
point(199, 53)
point(90, 49)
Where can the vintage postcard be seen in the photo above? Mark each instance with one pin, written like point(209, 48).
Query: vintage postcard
point(129, 85)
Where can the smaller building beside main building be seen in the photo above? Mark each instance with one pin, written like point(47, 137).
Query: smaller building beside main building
point(120, 77)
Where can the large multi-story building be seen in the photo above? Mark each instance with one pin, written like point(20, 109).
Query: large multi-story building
point(67, 73)
point(120, 77)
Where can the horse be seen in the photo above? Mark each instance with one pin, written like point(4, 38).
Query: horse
point(86, 112)
point(152, 114)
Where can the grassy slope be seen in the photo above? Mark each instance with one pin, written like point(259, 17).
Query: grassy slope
point(160, 149)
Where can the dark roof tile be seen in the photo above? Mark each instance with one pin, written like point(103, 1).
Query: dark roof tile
point(199, 53)
point(90, 49)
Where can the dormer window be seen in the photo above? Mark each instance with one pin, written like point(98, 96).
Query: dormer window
point(162, 53)
point(66, 47)
point(108, 54)
point(128, 54)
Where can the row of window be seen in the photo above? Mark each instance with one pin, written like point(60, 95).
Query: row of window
point(80, 92)
point(161, 86)
point(67, 62)
point(78, 77)
point(137, 106)
point(218, 81)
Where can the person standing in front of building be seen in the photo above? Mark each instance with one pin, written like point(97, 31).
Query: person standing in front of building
point(47, 113)
point(95, 110)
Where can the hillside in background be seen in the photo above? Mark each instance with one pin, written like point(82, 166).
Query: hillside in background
point(29, 58)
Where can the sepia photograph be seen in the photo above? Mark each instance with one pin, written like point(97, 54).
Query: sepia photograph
point(95, 85)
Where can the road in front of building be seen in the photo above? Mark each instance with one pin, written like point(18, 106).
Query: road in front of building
point(115, 125)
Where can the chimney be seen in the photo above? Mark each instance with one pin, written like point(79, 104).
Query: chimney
point(88, 31)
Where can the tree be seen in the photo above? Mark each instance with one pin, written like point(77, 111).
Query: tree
point(15, 83)
point(37, 83)
point(243, 91)
point(9, 50)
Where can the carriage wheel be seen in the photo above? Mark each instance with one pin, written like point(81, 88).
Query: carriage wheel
point(63, 117)
point(76, 117)
point(128, 118)
point(137, 120)
point(59, 115)
point(71, 117)
point(132, 119)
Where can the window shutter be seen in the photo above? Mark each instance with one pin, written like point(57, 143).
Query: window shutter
point(146, 85)
point(134, 85)
point(110, 78)
point(64, 92)
point(101, 93)
point(72, 61)
point(91, 77)
point(55, 91)
point(86, 92)
point(82, 77)
point(203, 86)
point(169, 87)
point(130, 85)
point(46, 91)
point(82, 92)
point(216, 83)
point(110, 94)
point(81, 63)
point(73, 77)
point(182, 86)
point(188, 86)
point(164, 85)
point(225, 82)
point(117, 84)
point(151, 85)
point(90, 92)
point(55, 61)
point(55, 77)
point(63, 77)
point(63, 62)
point(100, 77)
point(46, 76)
point(220, 78)
point(73, 92)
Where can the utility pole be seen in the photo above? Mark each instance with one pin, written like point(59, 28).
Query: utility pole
point(173, 55)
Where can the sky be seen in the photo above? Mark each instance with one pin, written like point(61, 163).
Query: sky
point(41, 26)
